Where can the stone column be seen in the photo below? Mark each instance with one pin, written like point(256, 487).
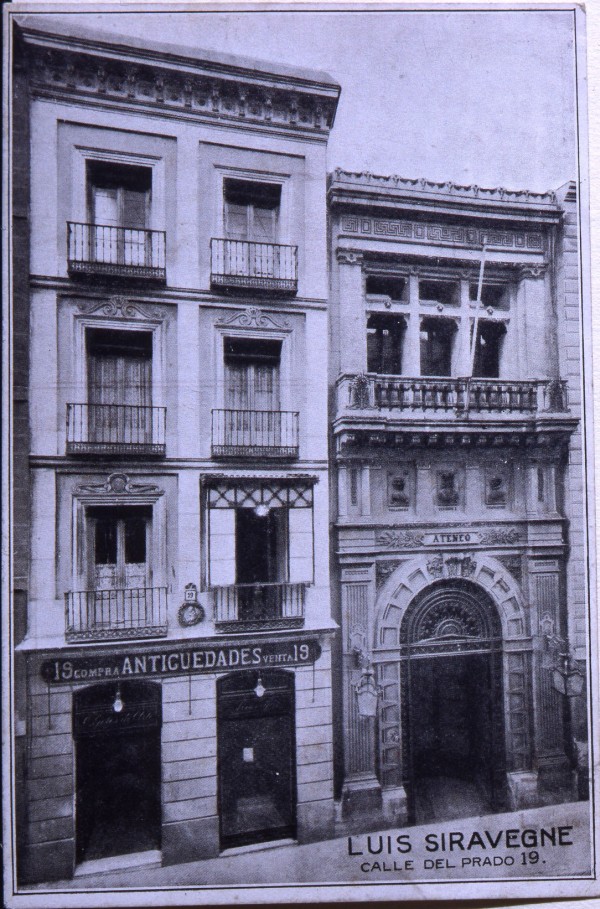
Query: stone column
point(411, 360)
point(532, 303)
point(352, 324)
point(463, 339)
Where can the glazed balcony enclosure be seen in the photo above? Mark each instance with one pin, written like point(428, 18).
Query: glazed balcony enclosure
point(100, 615)
point(256, 607)
point(243, 264)
point(255, 433)
point(116, 252)
point(115, 429)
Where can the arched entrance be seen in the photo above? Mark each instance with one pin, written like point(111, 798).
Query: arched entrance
point(452, 704)
point(117, 736)
point(256, 757)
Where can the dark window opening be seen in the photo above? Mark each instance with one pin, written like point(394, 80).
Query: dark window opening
point(252, 350)
point(491, 294)
point(386, 285)
point(490, 338)
point(385, 336)
point(437, 336)
point(119, 372)
point(119, 545)
point(109, 342)
point(354, 486)
point(444, 292)
point(261, 546)
point(540, 484)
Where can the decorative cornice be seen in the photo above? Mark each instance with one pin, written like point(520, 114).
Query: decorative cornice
point(122, 308)
point(253, 317)
point(448, 188)
point(531, 271)
point(182, 86)
point(118, 484)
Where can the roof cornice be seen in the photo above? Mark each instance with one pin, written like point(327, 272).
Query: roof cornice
point(101, 73)
point(346, 187)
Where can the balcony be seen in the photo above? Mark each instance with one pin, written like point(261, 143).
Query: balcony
point(101, 615)
point(267, 267)
point(254, 434)
point(116, 252)
point(258, 607)
point(116, 429)
point(398, 410)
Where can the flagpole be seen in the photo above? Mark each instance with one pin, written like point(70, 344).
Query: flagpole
point(477, 307)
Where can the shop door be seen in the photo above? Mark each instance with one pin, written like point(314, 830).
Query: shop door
point(452, 736)
point(256, 753)
point(117, 770)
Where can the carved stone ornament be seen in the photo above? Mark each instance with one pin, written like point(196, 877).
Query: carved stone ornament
point(119, 484)
point(253, 317)
point(452, 567)
point(400, 539)
point(383, 570)
point(122, 308)
point(349, 256)
point(532, 271)
point(499, 537)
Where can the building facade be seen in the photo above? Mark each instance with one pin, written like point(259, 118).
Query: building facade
point(173, 618)
point(457, 498)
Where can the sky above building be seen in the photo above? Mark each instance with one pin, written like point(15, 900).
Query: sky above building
point(482, 97)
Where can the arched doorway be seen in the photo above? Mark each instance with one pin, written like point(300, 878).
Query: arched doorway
point(452, 710)
point(117, 735)
point(256, 757)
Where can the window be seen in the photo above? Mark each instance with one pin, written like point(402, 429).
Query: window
point(490, 339)
point(118, 546)
point(252, 367)
point(435, 291)
point(119, 368)
point(437, 339)
point(385, 334)
point(119, 194)
point(495, 295)
point(386, 286)
point(251, 210)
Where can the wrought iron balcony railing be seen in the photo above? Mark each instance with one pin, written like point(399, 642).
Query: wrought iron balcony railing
point(102, 249)
point(257, 607)
point(254, 433)
point(260, 266)
point(98, 615)
point(116, 429)
point(369, 391)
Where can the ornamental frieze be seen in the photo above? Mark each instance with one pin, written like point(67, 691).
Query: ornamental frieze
point(460, 536)
point(444, 234)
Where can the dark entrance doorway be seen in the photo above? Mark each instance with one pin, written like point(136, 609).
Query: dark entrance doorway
point(256, 754)
point(117, 732)
point(452, 706)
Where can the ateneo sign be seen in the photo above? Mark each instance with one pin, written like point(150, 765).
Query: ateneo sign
point(182, 661)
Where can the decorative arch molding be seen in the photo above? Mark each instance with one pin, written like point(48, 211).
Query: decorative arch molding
point(414, 576)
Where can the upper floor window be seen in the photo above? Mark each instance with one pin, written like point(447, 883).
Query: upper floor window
point(437, 341)
point(386, 286)
point(119, 194)
point(119, 366)
point(490, 339)
point(119, 547)
point(251, 210)
point(385, 335)
point(495, 295)
point(252, 373)
point(438, 291)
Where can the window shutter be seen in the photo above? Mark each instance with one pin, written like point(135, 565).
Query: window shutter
point(301, 545)
point(221, 550)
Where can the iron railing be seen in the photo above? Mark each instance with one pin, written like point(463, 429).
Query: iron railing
point(102, 249)
point(124, 429)
point(371, 391)
point(262, 266)
point(259, 606)
point(255, 433)
point(95, 615)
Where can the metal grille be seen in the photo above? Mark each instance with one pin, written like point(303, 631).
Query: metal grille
point(115, 429)
point(117, 613)
point(255, 433)
point(104, 249)
point(266, 266)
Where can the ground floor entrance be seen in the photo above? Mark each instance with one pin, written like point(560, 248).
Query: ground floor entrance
point(117, 756)
point(454, 756)
point(256, 757)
